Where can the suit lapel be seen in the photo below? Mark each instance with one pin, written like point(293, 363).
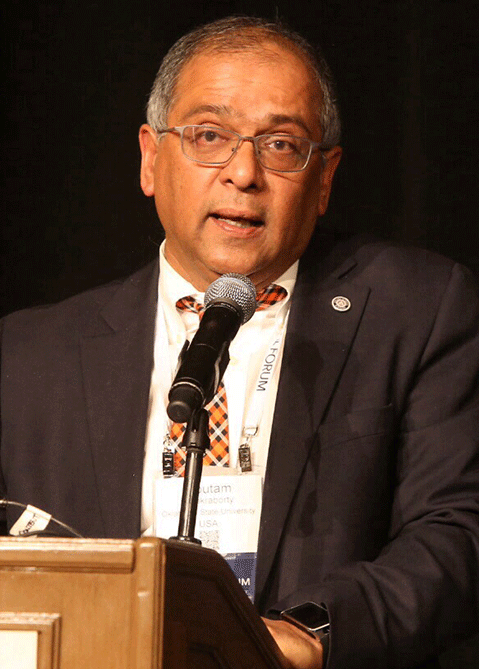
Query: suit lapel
point(117, 358)
point(316, 348)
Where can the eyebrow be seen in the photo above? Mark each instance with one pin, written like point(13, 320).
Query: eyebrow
point(279, 119)
point(225, 110)
point(220, 110)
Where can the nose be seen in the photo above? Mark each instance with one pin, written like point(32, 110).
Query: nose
point(243, 170)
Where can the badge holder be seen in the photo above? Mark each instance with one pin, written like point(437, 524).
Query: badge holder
point(195, 443)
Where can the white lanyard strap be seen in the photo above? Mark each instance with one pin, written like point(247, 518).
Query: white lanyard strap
point(262, 389)
point(262, 385)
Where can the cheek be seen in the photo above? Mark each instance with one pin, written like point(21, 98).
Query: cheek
point(170, 192)
point(186, 186)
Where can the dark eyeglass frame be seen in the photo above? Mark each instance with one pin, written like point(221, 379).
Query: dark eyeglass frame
point(179, 130)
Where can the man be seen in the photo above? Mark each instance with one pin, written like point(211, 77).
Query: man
point(370, 427)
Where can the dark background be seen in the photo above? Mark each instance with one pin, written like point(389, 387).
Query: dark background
point(76, 80)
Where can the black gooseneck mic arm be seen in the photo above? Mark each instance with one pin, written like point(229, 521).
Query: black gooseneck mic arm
point(203, 362)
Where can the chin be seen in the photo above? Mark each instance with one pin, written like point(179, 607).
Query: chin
point(230, 265)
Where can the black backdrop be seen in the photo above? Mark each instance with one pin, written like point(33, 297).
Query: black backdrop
point(76, 79)
point(77, 75)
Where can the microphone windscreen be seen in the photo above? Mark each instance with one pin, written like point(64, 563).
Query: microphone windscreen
point(236, 288)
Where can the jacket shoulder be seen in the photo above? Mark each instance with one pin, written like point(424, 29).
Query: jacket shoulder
point(365, 258)
point(75, 314)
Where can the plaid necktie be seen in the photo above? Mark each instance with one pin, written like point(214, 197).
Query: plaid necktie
point(269, 296)
point(218, 407)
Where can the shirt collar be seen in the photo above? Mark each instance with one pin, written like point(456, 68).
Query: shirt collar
point(172, 286)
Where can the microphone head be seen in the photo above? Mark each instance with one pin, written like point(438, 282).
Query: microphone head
point(235, 288)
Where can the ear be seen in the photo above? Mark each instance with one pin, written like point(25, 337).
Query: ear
point(149, 152)
point(331, 160)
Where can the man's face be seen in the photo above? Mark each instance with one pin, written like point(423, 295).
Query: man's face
point(239, 217)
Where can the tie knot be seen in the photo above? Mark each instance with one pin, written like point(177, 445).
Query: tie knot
point(189, 303)
point(270, 295)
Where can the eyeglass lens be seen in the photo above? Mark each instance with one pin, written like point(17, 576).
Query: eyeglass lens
point(216, 145)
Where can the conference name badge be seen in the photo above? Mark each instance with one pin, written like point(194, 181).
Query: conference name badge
point(227, 520)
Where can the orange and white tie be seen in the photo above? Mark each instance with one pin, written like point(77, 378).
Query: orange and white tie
point(218, 407)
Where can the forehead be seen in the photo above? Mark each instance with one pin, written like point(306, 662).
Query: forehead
point(266, 79)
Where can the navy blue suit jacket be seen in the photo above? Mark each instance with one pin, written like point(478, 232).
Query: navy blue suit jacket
point(371, 496)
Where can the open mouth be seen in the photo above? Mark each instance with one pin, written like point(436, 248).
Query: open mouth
point(242, 222)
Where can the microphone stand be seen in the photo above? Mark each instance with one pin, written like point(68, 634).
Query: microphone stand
point(195, 442)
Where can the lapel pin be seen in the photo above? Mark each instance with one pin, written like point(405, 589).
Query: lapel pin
point(341, 303)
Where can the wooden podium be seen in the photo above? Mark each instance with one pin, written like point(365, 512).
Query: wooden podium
point(120, 604)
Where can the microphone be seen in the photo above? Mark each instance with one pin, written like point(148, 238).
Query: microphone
point(230, 301)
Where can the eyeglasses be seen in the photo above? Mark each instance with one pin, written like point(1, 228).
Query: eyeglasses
point(216, 146)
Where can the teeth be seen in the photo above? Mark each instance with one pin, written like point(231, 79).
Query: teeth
point(238, 222)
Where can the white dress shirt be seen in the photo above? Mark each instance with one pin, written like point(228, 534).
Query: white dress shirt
point(248, 351)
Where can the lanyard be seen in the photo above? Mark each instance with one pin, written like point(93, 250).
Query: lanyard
point(257, 403)
point(165, 372)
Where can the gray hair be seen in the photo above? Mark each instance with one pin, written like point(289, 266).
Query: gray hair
point(239, 33)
